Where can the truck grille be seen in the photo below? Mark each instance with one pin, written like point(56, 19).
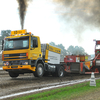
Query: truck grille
point(15, 56)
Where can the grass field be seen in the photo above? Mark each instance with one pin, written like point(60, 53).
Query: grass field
point(81, 91)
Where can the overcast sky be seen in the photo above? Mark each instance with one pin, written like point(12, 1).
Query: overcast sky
point(43, 20)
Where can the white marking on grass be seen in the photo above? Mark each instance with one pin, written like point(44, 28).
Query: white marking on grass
point(46, 88)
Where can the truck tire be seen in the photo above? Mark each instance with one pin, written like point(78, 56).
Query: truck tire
point(39, 70)
point(60, 72)
point(13, 75)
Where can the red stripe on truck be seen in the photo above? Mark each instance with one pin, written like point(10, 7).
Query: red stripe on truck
point(81, 67)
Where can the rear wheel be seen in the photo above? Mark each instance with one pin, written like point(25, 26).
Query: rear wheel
point(60, 72)
point(13, 75)
point(39, 70)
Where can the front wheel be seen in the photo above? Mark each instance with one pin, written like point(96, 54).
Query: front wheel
point(13, 75)
point(39, 70)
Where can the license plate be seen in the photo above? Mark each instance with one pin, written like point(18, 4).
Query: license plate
point(14, 67)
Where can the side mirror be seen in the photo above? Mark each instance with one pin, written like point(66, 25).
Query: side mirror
point(35, 43)
point(2, 44)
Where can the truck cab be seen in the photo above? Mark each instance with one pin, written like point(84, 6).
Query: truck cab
point(21, 51)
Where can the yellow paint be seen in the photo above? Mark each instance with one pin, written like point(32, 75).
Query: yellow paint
point(36, 52)
point(51, 48)
point(15, 52)
point(28, 67)
point(82, 58)
point(86, 58)
point(54, 49)
point(18, 32)
point(46, 55)
point(87, 64)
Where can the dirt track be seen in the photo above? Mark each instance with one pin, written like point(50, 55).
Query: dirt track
point(29, 82)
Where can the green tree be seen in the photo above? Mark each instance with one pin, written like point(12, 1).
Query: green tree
point(76, 50)
point(52, 43)
point(4, 33)
point(70, 50)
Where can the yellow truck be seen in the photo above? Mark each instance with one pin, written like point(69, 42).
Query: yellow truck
point(23, 53)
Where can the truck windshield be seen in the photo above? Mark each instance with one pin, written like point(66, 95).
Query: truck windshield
point(16, 43)
point(98, 46)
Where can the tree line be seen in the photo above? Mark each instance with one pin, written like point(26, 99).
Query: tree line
point(72, 50)
point(77, 50)
point(4, 33)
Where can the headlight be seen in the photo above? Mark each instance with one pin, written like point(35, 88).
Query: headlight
point(26, 63)
point(4, 64)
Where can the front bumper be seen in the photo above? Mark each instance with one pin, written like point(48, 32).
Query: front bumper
point(18, 67)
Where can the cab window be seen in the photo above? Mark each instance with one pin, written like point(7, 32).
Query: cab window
point(34, 42)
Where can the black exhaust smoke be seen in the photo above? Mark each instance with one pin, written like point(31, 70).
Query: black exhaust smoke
point(84, 10)
point(82, 14)
point(23, 4)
